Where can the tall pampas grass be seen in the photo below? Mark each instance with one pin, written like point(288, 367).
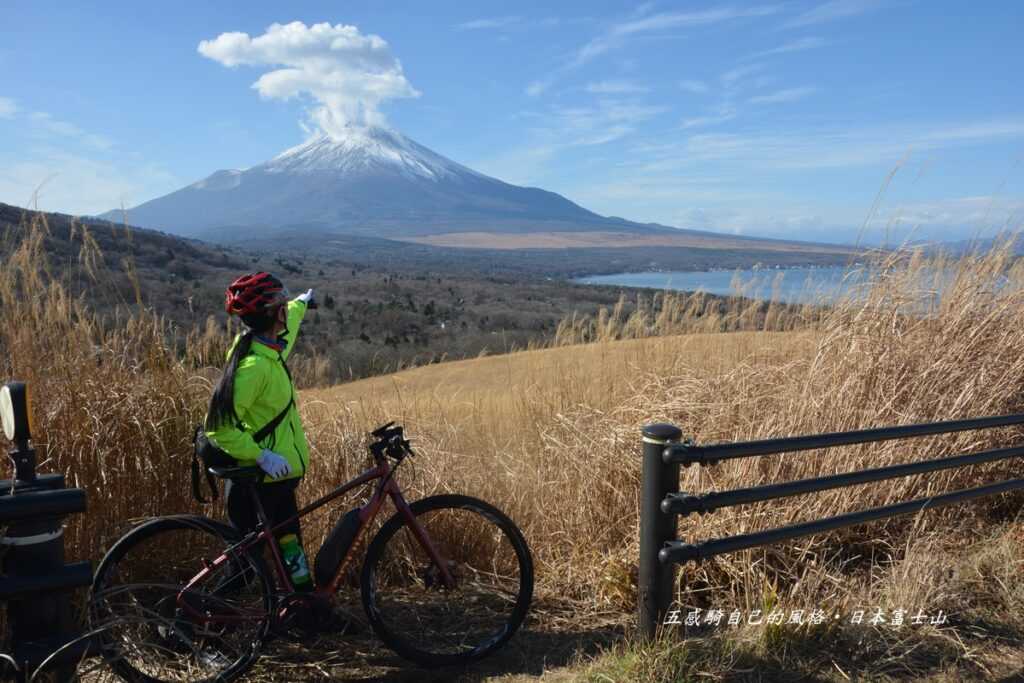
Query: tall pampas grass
point(919, 338)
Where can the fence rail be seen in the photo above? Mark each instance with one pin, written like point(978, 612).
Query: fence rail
point(661, 502)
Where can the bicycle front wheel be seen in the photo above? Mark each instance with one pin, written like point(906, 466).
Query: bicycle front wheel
point(405, 596)
point(148, 634)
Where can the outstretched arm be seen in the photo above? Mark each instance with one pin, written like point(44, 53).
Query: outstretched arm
point(296, 312)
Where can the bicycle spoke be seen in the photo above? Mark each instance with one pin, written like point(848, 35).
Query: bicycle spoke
point(154, 629)
point(419, 615)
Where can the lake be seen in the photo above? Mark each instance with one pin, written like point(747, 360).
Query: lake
point(791, 285)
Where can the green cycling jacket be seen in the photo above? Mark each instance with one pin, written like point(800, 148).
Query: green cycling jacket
point(262, 390)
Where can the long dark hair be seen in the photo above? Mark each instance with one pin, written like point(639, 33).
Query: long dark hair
point(222, 403)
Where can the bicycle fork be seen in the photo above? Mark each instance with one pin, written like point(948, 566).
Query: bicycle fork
point(404, 509)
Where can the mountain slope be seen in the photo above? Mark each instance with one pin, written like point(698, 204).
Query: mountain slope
point(376, 182)
point(371, 182)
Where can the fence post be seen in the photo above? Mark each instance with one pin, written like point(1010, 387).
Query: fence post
point(654, 583)
point(35, 581)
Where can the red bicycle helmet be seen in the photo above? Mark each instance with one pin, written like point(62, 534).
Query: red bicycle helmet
point(254, 293)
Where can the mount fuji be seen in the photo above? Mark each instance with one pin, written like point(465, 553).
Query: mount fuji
point(370, 181)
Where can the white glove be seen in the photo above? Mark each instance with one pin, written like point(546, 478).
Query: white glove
point(305, 298)
point(273, 464)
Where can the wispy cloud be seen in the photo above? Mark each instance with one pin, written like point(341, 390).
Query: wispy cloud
point(57, 165)
point(46, 122)
point(831, 11)
point(8, 108)
point(705, 121)
point(536, 88)
point(821, 147)
point(671, 20)
point(782, 96)
point(980, 130)
point(61, 180)
point(559, 129)
point(733, 76)
point(693, 86)
point(617, 35)
point(488, 23)
point(43, 123)
point(809, 43)
point(608, 121)
point(615, 87)
point(732, 83)
point(508, 23)
point(718, 115)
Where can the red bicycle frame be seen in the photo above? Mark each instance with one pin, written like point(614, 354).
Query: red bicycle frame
point(387, 487)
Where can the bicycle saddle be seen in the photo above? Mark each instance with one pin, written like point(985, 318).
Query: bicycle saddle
point(236, 473)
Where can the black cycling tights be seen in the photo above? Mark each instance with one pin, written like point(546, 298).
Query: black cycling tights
point(277, 498)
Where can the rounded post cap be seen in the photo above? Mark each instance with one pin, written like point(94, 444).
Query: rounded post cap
point(662, 432)
point(15, 412)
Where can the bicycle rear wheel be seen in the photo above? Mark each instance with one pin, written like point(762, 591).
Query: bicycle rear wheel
point(146, 634)
point(403, 592)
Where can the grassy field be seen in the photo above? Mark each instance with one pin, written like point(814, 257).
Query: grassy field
point(591, 373)
point(566, 240)
point(551, 437)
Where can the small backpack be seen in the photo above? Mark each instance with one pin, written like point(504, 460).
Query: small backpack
point(209, 455)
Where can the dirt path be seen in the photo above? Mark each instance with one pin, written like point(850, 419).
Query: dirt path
point(553, 637)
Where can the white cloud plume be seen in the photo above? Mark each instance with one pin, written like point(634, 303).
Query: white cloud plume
point(347, 73)
point(695, 87)
point(782, 96)
point(831, 11)
point(8, 108)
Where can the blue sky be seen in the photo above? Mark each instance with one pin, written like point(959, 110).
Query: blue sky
point(828, 120)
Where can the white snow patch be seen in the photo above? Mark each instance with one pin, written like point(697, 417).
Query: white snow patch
point(365, 150)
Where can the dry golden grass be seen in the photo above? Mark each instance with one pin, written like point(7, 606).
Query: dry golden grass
point(604, 238)
point(552, 437)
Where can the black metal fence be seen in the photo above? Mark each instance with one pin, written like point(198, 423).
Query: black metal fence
point(661, 502)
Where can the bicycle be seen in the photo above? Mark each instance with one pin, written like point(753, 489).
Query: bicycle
point(447, 580)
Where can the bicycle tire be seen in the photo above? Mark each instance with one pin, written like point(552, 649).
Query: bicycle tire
point(121, 599)
point(385, 614)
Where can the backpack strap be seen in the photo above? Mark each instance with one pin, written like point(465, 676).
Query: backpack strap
point(269, 428)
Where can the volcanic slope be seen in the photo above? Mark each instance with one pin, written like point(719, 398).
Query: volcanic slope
point(376, 182)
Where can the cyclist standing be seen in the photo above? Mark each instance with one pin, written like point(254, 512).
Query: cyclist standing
point(254, 391)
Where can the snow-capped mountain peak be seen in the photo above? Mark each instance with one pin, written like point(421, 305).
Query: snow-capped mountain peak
point(369, 181)
point(364, 150)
